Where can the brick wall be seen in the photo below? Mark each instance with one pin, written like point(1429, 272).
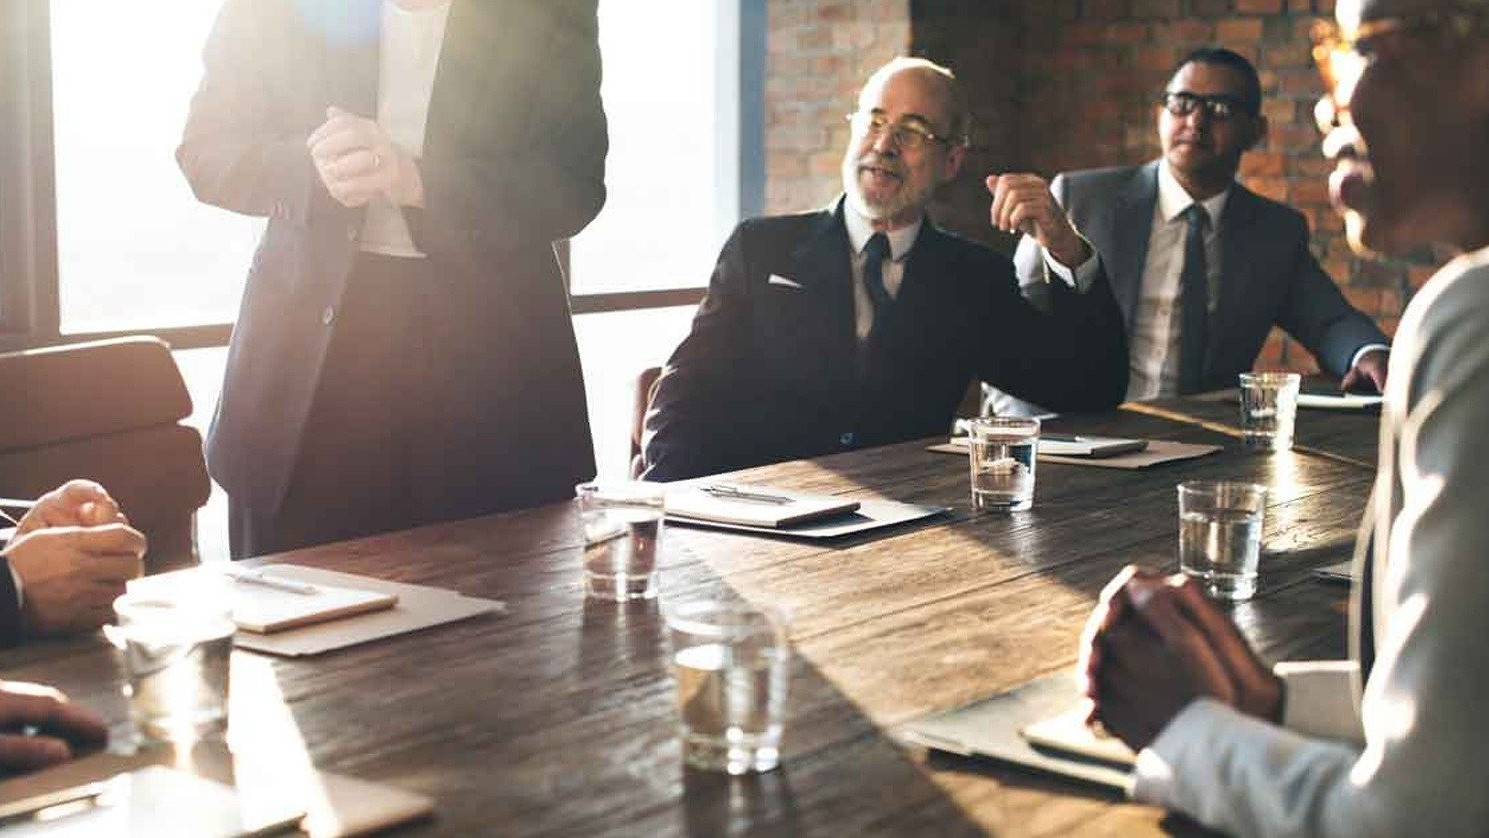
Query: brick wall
point(1062, 84)
point(818, 54)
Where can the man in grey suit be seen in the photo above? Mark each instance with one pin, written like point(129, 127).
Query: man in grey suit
point(1202, 267)
point(1390, 742)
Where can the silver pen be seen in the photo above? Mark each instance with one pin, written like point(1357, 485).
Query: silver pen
point(258, 577)
point(720, 490)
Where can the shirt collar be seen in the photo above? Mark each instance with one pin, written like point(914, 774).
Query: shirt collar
point(860, 230)
point(1173, 200)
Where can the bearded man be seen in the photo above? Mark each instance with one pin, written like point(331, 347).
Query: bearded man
point(862, 324)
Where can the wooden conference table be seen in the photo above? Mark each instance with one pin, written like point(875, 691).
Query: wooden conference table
point(558, 717)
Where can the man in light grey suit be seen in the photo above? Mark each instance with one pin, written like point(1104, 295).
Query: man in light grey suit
point(1202, 267)
point(1390, 742)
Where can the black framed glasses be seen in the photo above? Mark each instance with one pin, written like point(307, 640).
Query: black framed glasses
point(911, 135)
point(1218, 107)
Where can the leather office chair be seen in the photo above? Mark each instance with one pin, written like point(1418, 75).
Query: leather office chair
point(108, 411)
point(646, 385)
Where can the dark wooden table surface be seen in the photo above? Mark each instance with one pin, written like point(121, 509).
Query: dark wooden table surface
point(558, 718)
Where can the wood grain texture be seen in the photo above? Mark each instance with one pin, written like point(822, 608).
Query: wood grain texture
point(558, 718)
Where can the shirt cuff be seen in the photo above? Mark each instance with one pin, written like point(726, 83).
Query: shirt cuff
point(1082, 277)
point(1369, 347)
point(1320, 699)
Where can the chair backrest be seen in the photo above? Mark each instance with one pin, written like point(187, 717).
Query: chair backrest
point(646, 383)
point(109, 411)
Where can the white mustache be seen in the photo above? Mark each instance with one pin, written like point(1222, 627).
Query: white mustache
point(874, 162)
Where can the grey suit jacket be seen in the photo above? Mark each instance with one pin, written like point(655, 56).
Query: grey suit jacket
point(1406, 756)
point(1268, 276)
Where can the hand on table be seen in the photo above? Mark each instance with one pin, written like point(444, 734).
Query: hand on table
point(39, 726)
point(1153, 644)
point(1023, 202)
point(71, 575)
point(357, 162)
point(1368, 375)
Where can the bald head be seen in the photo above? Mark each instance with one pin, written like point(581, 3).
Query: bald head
point(939, 83)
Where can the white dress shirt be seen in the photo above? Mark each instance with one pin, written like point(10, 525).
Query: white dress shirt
point(407, 60)
point(860, 230)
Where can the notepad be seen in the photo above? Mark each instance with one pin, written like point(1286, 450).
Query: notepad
point(1068, 733)
point(1061, 445)
point(754, 506)
point(263, 609)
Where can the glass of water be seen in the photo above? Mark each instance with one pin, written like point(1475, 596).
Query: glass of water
point(174, 652)
point(622, 538)
point(1001, 451)
point(1269, 409)
point(1220, 535)
point(732, 663)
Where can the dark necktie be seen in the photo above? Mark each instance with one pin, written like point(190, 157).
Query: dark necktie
point(1193, 298)
point(873, 278)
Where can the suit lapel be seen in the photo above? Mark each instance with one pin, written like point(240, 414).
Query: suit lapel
point(1226, 301)
point(1132, 226)
point(822, 268)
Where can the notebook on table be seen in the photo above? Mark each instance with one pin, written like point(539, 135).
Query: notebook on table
point(753, 506)
point(1038, 726)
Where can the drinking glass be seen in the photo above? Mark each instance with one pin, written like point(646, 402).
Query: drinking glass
point(622, 538)
point(174, 651)
point(1269, 409)
point(1001, 451)
point(1220, 535)
point(732, 664)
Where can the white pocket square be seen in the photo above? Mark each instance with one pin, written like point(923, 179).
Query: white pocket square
point(777, 279)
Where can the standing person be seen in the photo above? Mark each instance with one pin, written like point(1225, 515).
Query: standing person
point(404, 352)
point(1390, 742)
point(862, 324)
point(1201, 266)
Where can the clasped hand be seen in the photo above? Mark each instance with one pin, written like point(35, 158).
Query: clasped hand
point(1155, 643)
point(357, 161)
point(73, 551)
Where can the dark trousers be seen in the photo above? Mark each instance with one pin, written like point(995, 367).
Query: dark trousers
point(401, 430)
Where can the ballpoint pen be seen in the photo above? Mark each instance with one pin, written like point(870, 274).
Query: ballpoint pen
point(720, 490)
point(258, 577)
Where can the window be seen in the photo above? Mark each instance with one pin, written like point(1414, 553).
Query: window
point(135, 249)
point(673, 172)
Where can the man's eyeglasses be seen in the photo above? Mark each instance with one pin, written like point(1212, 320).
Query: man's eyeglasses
point(1218, 107)
point(910, 136)
point(1341, 56)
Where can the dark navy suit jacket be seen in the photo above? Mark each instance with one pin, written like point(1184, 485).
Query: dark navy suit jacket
point(514, 156)
point(772, 372)
point(1268, 276)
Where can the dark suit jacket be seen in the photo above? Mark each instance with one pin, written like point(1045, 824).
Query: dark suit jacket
point(1268, 275)
point(513, 160)
point(770, 372)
